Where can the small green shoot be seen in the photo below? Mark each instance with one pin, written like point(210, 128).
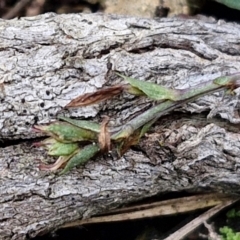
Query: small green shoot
point(233, 213)
point(228, 234)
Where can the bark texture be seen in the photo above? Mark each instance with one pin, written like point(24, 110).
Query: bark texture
point(48, 60)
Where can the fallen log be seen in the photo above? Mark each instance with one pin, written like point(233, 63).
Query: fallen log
point(48, 60)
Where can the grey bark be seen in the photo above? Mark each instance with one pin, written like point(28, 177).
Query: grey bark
point(46, 61)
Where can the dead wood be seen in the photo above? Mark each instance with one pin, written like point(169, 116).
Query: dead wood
point(48, 60)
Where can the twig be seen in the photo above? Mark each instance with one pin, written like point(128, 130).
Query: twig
point(162, 208)
point(184, 231)
point(212, 234)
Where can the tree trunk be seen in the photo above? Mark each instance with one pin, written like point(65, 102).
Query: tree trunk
point(48, 60)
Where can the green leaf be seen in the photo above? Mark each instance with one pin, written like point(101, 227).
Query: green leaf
point(222, 81)
point(67, 133)
point(233, 213)
point(56, 148)
point(152, 90)
point(62, 149)
point(92, 126)
point(146, 127)
point(235, 4)
point(81, 157)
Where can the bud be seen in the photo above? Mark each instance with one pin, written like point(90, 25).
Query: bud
point(67, 133)
point(56, 148)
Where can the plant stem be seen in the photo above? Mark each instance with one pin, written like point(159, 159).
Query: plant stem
point(165, 107)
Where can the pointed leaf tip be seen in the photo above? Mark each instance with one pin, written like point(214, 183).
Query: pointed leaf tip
point(151, 90)
point(95, 97)
point(65, 132)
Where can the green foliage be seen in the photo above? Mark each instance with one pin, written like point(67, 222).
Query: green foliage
point(235, 4)
point(233, 213)
point(229, 234)
point(198, 4)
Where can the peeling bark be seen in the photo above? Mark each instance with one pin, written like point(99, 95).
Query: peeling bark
point(48, 60)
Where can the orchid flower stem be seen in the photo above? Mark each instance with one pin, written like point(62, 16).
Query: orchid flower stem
point(187, 95)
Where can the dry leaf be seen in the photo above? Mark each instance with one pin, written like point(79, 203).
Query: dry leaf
point(128, 142)
point(95, 97)
point(104, 138)
point(52, 167)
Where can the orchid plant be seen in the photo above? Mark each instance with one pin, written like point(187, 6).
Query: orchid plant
point(74, 142)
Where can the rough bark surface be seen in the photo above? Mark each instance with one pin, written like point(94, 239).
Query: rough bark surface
point(48, 60)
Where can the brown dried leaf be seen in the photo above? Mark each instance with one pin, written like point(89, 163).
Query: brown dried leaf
point(61, 161)
point(95, 97)
point(104, 137)
point(54, 166)
point(128, 142)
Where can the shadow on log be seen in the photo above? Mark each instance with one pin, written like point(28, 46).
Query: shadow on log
point(48, 60)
